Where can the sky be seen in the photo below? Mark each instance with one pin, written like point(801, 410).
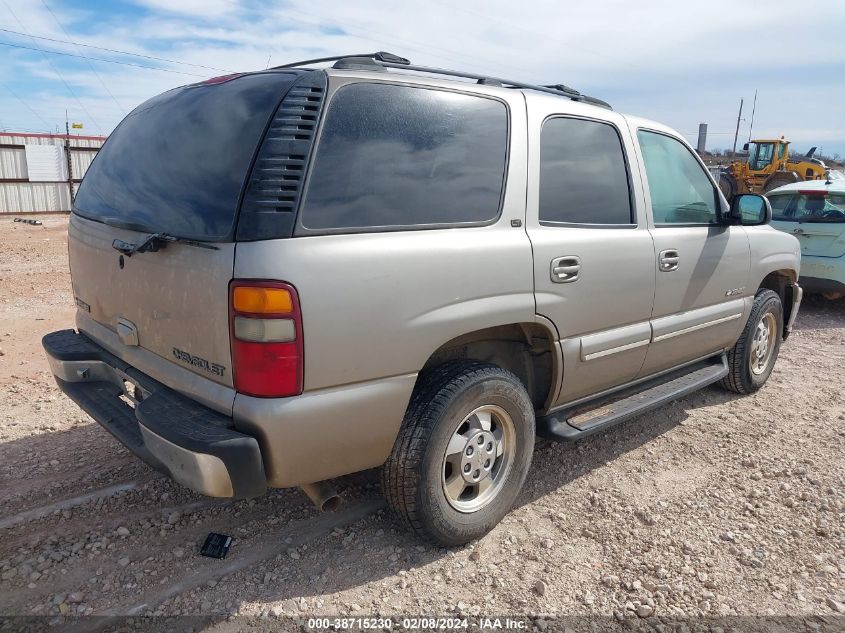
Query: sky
point(679, 62)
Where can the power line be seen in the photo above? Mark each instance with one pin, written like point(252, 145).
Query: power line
point(25, 130)
point(119, 52)
point(366, 33)
point(90, 65)
point(55, 70)
point(98, 59)
point(27, 106)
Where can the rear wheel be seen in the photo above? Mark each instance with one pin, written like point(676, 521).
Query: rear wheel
point(463, 452)
point(752, 358)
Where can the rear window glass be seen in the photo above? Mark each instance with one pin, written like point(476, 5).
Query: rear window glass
point(808, 208)
point(402, 157)
point(176, 164)
point(583, 175)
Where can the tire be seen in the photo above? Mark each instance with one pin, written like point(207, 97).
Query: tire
point(727, 183)
point(451, 400)
point(744, 364)
point(779, 179)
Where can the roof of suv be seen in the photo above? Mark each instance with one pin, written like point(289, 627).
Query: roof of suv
point(381, 61)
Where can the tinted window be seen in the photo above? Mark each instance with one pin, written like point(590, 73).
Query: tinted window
point(802, 207)
point(583, 176)
point(392, 156)
point(177, 163)
point(779, 204)
point(681, 192)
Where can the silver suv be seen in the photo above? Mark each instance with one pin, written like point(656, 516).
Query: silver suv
point(293, 274)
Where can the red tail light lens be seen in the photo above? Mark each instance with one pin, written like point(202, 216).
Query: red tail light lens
point(265, 327)
point(219, 80)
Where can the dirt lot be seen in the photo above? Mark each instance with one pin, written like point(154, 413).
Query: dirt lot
point(716, 505)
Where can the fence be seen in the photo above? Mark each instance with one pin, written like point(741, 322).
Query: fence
point(40, 172)
point(715, 170)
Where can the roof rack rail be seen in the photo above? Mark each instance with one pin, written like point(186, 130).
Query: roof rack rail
point(379, 56)
point(382, 59)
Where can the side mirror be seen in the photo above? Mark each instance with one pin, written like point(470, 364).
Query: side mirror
point(745, 147)
point(750, 209)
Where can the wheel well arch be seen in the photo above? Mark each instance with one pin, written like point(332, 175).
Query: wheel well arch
point(782, 282)
point(528, 350)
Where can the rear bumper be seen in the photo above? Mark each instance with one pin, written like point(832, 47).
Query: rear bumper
point(194, 445)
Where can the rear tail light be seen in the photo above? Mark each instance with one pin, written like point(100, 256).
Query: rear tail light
point(266, 334)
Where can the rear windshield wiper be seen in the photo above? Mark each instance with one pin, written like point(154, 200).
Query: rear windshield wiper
point(155, 241)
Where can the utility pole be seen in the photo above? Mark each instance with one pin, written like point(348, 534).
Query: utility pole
point(736, 134)
point(69, 162)
point(753, 110)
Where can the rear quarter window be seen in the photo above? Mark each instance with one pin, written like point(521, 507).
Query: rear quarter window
point(397, 157)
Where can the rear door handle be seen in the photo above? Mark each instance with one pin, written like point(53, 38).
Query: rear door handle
point(565, 270)
point(668, 260)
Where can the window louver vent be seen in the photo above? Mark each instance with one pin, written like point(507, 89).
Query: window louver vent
point(268, 210)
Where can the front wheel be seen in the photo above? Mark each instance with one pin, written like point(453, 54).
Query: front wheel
point(463, 452)
point(752, 358)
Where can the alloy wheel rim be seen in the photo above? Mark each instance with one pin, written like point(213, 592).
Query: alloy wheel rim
point(763, 344)
point(478, 458)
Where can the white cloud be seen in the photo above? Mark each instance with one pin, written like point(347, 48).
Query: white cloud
point(201, 9)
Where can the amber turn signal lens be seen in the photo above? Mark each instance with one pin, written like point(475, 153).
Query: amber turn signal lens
point(262, 300)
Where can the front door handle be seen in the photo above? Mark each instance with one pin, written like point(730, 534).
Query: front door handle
point(668, 260)
point(565, 270)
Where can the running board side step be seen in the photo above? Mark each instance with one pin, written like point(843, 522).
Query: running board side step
point(568, 425)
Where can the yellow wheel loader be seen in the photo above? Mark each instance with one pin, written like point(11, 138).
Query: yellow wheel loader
point(768, 167)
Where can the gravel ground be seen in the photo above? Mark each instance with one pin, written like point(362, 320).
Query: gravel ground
point(716, 505)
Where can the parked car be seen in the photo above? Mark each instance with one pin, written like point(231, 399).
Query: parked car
point(814, 212)
point(290, 275)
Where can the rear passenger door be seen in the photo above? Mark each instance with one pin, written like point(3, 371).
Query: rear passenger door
point(702, 295)
point(593, 255)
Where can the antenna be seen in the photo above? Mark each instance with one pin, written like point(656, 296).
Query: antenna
point(753, 110)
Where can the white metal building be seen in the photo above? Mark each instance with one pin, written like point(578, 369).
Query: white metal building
point(35, 173)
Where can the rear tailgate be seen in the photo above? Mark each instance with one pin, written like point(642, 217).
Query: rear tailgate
point(175, 299)
point(176, 165)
